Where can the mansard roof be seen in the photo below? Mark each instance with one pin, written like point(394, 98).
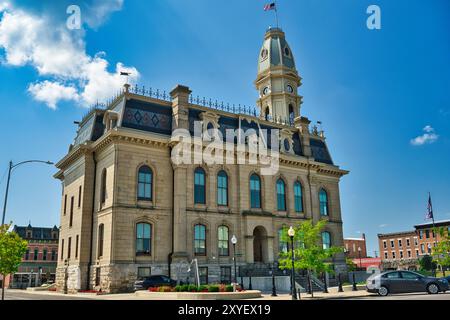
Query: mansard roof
point(150, 114)
point(37, 233)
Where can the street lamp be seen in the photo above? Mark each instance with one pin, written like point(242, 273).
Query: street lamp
point(291, 233)
point(359, 254)
point(11, 167)
point(234, 241)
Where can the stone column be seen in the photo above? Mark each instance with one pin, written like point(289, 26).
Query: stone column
point(302, 124)
point(180, 120)
point(249, 249)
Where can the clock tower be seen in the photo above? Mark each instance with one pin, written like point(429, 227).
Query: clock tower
point(278, 80)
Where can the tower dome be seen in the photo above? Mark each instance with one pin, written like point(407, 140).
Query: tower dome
point(275, 51)
point(277, 80)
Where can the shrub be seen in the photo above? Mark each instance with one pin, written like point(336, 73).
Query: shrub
point(153, 289)
point(229, 288)
point(192, 288)
point(213, 288)
point(165, 289)
point(182, 288)
point(203, 288)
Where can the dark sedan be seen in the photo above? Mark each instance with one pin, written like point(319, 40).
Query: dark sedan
point(154, 281)
point(405, 282)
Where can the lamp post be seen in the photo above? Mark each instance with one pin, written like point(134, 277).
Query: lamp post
point(11, 167)
point(291, 233)
point(234, 241)
point(274, 288)
point(359, 255)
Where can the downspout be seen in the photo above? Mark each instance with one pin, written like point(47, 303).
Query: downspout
point(169, 258)
point(92, 222)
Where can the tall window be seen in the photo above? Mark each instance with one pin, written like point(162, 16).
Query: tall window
point(223, 236)
point(281, 195)
point(79, 196)
point(222, 188)
point(326, 240)
point(103, 187)
point(298, 197)
point(44, 255)
point(62, 249)
point(200, 240)
point(199, 186)
point(65, 204)
point(27, 254)
point(282, 242)
point(323, 199)
point(101, 232)
point(225, 275)
point(36, 253)
point(145, 182)
point(143, 238)
point(69, 248)
point(53, 255)
point(76, 246)
point(255, 191)
point(72, 199)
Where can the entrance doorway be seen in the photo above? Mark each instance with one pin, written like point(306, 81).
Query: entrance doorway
point(260, 245)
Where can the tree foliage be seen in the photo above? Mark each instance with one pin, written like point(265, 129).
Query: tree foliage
point(309, 253)
point(351, 266)
point(441, 252)
point(426, 263)
point(12, 248)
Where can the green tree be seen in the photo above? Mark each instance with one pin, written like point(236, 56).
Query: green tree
point(441, 253)
point(309, 252)
point(426, 263)
point(12, 248)
point(351, 266)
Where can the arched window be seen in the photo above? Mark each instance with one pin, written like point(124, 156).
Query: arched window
point(291, 114)
point(222, 188)
point(103, 187)
point(267, 114)
point(223, 236)
point(199, 186)
point(145, 183)
point(281, 195)
point(298, 196)
point(200, 240)
point(282, 241)
point(101, 231)
point(143, 239)
point(255, 191)
point(36, 253)
point(323, 199)
point(326, 240)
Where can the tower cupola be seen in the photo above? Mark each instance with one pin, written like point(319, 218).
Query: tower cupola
point(277, 81)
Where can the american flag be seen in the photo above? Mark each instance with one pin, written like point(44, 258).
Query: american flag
point(270, 6)
point(429, 209)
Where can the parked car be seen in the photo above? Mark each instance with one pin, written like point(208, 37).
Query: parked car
point(405, 282)
point(154, 281)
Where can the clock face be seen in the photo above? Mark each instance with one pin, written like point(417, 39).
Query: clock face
point(290, 89)
point(265, 91)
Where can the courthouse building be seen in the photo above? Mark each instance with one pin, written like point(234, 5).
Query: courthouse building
point(129, 210)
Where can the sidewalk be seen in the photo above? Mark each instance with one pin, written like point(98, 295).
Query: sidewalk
point(333, 294)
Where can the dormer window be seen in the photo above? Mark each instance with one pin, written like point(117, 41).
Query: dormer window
point(287, 52)
point(264, 54)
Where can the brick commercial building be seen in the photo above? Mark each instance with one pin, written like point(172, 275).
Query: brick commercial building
point(39, 262)
point(130, 210)
point(402, 250)
point(356, 247)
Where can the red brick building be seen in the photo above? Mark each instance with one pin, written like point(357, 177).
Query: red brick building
point(355, 248)
point(402, 250)
point(39, 262)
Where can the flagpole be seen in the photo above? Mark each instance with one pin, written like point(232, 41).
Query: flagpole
point(276, 15)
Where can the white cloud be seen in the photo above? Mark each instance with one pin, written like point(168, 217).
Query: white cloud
point(52, 92)
point(384, 225)
point(60, 54)
point(428, 137)
point(4, 5)
point(100, 10)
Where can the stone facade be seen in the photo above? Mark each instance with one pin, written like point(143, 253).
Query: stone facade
point(102, 170)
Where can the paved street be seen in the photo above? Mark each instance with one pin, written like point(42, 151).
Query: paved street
point(24, 295)
point(410, 296)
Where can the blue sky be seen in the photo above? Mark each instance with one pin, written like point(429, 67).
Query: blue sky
point(374, 90)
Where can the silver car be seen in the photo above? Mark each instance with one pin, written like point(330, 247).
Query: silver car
point(405, 282)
